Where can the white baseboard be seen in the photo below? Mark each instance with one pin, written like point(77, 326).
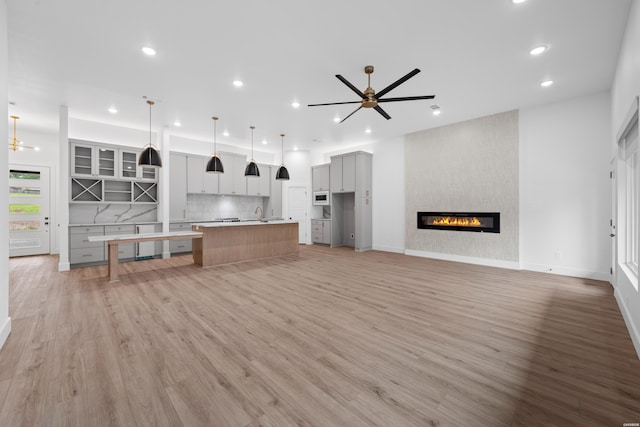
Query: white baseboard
point(4, 332)
point(166, 255)
point(388, 249)
point(563, 271)
point(64, 266)
point(511, 265)
point(631, 327)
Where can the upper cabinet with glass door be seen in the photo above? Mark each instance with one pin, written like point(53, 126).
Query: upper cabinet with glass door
point(129, 168)
point(94, 161)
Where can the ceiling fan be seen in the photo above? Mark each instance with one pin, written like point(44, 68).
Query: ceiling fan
point(369, 97)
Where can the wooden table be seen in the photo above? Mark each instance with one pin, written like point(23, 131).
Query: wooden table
point(114, 240)
point(224, 243)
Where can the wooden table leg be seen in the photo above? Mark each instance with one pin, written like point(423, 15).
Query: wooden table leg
point(113, 261)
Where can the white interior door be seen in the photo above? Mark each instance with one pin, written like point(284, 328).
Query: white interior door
point(612, 224)
point(298, 210)
point(28, 210)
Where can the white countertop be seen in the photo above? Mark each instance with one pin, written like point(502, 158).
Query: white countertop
point(243, 223)
point(107, 238)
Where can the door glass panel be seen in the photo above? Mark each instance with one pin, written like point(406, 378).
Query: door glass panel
point(24, 225)
point(15, 191)
point(24, 243)
point(24, 209)
point(16, 174)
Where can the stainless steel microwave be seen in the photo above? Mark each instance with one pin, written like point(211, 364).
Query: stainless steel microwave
point(320, 198)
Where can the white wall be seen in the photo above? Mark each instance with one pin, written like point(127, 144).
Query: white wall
point(565, 187)
point(626, 86)
point(5, 320)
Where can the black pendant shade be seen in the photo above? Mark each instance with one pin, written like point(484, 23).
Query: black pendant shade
point(150, 155)
point(283, 173)
point(252, 167)
point(214, 164)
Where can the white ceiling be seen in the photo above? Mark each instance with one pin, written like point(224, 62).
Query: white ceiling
point(473, 54)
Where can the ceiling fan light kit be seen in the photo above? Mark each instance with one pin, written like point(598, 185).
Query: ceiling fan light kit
point(150, 155)
point(252, 168)
point(369, 98)
point(215, 164)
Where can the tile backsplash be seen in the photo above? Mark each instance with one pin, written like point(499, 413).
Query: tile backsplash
point(208, 206)
point(111, 213)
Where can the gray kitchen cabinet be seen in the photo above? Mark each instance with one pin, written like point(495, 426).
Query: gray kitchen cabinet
point(260, 186)
point(81, 250)
point(321, 231)
point(351, 200)
point(180, 246)
point(177, 186)
point(129, 168)
point(274, 203)
point(233, 181)
point(320, 177)
point(125, 250)
point(93, 160)
point(343, 173)
point(198, 179)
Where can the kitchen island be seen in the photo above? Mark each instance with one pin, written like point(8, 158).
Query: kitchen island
point(228, 242)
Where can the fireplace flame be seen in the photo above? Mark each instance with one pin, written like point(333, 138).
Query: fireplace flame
point(456, 221)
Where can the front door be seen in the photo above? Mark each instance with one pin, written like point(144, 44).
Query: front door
point(28, 210)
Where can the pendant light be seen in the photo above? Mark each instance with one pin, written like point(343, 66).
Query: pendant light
point(252, 167)
point(150, 155)
point(215, 164)
point(282, 173)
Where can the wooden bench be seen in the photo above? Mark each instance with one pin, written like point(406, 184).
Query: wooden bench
point(114, 240)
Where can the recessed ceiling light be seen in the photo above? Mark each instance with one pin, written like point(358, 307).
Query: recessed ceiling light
point(295, 148)
point(36, 148)
point(149, 51)
point(264, 141)
point(225, 133)
point(295, 104)
point(336, 119)
point(112, 110)
point(367, 131)
point(546, 83)
point(238, 83)
point(177, 123)
point(538, 50)
point(436, 112)
point(518, 1)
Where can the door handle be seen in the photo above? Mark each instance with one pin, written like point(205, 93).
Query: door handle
point(612, 235)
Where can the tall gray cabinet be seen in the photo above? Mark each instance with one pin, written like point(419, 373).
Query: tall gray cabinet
point(351, 200)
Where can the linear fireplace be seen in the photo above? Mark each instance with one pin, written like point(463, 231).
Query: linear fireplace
point(487, 222)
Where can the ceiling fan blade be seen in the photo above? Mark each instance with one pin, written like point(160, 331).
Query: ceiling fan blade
point(334, 103)
point(406, 98)
point(351, 114)
point(397, 83)
point(350, 86)
point(382, 112)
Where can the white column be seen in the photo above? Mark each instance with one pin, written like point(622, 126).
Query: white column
point(62, 182)
point(163, 206)
point(5, 320)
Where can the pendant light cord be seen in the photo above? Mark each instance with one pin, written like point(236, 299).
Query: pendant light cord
point(215, 151)
point(150, 104)
point(282, 160)
point(252, 128)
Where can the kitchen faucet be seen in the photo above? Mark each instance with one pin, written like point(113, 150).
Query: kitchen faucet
point(259, 208)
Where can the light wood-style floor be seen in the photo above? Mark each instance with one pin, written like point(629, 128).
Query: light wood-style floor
point(327, 338)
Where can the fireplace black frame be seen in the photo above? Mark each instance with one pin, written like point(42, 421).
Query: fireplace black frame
point(491, 226)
